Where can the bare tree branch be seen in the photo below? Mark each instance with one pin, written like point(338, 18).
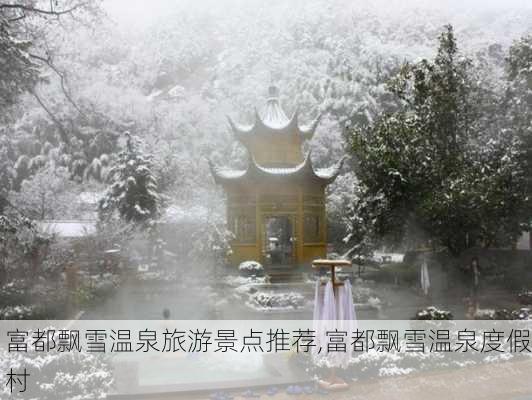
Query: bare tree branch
point(22, 7)
point(20, 17)
point(62, 77)
point(62, 131)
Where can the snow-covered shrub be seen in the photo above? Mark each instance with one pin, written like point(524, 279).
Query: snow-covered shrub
point(13, 292)
point(276, 301)
point(17, 312)
point(251, 268)
point(374, 302)
point(133, 191)
point(433, 313)
point(20, 300)
point(485, 314)
point(374, 363)
point(523, 313)
point(504, 314)
point(362, 294)
point(20, 243)
point(60, 375)
point(96, 288)
point(46, 310)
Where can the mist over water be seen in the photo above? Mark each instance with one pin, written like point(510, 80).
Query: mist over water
point(168, 74)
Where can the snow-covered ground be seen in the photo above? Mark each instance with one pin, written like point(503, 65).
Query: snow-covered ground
point(380, 256)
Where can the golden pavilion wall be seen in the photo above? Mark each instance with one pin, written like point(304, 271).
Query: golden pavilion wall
point(248, 208)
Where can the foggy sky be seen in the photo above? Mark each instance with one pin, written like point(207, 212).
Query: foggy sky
point(146, 12)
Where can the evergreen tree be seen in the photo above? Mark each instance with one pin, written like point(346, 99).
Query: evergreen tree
point(440, 168)
point(518, 101)
point(133, 191)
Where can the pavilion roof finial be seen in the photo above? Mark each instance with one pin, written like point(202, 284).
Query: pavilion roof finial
point(272, 114)
point(271, 119)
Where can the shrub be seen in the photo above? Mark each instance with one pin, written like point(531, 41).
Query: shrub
point(279, 301)
point(434, 314)
point(17, 312)
point(251, 268)
point(505, 314)
point(61, 375)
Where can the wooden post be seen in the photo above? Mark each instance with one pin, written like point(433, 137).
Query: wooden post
point(324, 263)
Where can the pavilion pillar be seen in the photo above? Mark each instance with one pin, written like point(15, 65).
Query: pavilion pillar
point(299, 226)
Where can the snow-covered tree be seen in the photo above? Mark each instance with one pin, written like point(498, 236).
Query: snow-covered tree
point(518, 99)
point(19, 71)
point(46, 194)
point(439, 168)
point(133, 191)
point(19, 244)
point(62, 374)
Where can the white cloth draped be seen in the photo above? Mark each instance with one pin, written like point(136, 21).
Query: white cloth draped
point(333, 312)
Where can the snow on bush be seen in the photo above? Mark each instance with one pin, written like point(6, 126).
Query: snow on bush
point(504, 314)
point(374, 302)
point(13, 292)
point(19, 299)
point(375, 363)
point(17, 312)
point(250, 266)
point(361, 294)
point(433, 313)
point(276, 301)
point(60, 375)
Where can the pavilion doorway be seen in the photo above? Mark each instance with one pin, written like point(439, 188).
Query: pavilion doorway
point(279, 242)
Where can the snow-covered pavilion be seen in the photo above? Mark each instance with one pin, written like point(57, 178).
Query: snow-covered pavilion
point(276, 206)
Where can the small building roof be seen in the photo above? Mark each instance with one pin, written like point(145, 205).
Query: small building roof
point(67, 228)
point(273, 120)
point(180, 214)
point(303, 171)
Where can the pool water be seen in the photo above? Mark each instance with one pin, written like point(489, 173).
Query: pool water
point(138, 375)
point(196, 368)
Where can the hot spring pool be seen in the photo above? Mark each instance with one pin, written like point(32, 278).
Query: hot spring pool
point(168, 373)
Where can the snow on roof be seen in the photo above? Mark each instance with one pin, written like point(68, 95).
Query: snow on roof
point(178, 214)
point(272, 119)
point(272, 114)
point(67, 228)
point(231, 173)
point(305, 168)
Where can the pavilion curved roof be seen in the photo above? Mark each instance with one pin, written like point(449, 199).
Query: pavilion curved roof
point(302, 171)
point(273, 120)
